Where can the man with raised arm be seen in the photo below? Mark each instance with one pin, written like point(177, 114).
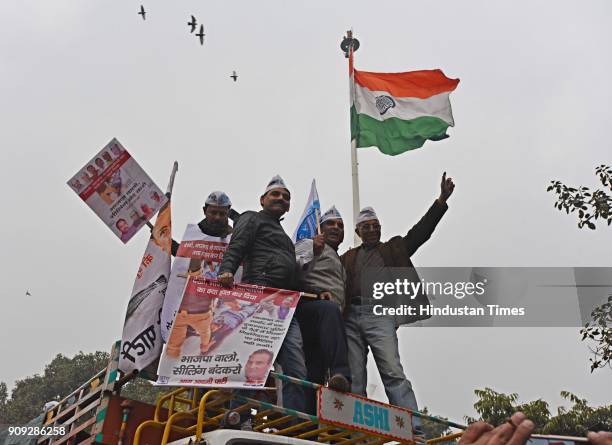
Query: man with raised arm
point(364, 329)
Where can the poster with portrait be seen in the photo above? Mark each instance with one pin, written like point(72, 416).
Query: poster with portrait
point(141, 341)
point(198, 255)
point(237, 335)
point(118, 190)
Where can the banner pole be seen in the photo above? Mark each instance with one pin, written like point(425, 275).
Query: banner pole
point(172, 176)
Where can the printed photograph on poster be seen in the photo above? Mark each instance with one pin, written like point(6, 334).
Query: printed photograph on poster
point(226, 337)
point(141, 341)
point(118, 190)
point(198, 255)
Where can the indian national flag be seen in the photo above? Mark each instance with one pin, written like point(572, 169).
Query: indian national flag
point(397, 112)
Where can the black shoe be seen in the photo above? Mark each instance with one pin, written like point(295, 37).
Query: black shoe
point(338, 382)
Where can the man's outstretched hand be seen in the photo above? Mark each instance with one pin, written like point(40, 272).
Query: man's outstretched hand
point(446, 188)
point(601, 438)
point(514, 432)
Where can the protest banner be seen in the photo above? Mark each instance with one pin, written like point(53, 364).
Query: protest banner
point(118, 190)
point(239, 332)
point(141, 341)
point(198, 255)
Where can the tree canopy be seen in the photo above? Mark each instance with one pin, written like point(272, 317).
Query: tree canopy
point(60, 377)
point(495, 408)
point(591, 206)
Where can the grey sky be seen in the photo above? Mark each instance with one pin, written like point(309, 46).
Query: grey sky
point(532, 106)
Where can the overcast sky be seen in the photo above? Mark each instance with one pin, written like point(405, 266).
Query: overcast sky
point(533, 105)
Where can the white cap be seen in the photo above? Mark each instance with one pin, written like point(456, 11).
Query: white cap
point(332, 213)
point(366, 214)
point(218, 198)
point(49, 405)
point(276, 183)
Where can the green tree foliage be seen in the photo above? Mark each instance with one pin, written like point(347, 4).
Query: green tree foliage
point(142, 390)
point(598, 330)
point(3, 401)
point(495, 408)
point(590, 205)
point(61, 377)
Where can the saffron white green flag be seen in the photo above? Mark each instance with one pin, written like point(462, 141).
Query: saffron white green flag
point(397, 112)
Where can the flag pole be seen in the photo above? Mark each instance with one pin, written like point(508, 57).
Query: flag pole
point(355, 176)
point(349, 45)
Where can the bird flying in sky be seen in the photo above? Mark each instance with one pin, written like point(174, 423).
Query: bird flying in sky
point(201, 34)
point(234, 76)
point(142, 12)
point(28, 293)
point(193, 23)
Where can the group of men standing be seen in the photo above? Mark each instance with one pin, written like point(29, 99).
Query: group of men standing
point(329, 337)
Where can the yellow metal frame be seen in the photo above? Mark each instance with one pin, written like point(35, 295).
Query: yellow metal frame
point(207, 411)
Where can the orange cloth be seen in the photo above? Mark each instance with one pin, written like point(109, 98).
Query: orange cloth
point(201, 323)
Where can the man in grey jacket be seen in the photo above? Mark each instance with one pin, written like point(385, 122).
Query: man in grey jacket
point(321, 321)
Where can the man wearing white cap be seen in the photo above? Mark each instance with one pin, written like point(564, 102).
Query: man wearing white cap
point(216, 217)
point(193, 314)
point(378, 333)
point(321, 321)
point(260, 243)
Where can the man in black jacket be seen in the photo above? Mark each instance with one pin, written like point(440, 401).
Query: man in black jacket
point(268, 256)
point(364, 329)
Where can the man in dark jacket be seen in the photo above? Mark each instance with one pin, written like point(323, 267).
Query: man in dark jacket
point(378, 333)
point(268, 256)
point(217, 208)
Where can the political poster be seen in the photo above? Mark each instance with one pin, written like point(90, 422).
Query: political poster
point(118, 190)
point(141, 340)
point(238, 333)
point(198, 255)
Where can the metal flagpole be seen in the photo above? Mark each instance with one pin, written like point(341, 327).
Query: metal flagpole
point(349, 45)
point(355, 175)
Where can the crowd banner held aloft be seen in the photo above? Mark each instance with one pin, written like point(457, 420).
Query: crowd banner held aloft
point(141, 341)
point(118, 190)
point(198, 254)
point(236, 335)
